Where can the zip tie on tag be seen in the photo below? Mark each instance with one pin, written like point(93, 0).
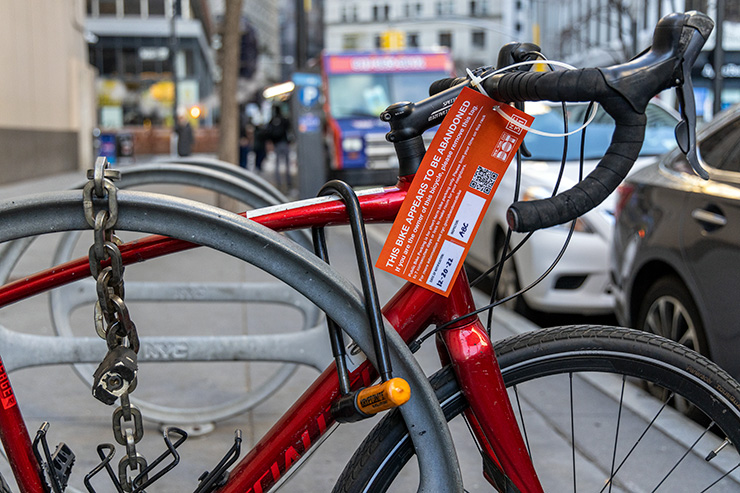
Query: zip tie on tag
point(509, 119)
point(476, 81)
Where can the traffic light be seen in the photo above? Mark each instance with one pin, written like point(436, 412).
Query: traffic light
point(392, 40)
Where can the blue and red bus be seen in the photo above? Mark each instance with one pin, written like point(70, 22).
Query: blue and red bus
point(358, 87)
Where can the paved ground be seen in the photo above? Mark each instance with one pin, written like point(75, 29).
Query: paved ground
point(55, 393)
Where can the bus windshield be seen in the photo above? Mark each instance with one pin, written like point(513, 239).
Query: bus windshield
point(367, 95)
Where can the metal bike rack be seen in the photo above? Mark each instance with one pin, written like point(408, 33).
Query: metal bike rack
point(209, 174)
point(308, 344)
point(262, 247)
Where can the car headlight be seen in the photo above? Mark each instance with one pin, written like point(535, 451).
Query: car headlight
point(537, 193)
point(352, 144)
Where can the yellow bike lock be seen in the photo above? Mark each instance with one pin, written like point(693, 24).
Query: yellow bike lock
point(365, 402)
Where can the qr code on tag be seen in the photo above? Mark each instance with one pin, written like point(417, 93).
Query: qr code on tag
point(483, 180)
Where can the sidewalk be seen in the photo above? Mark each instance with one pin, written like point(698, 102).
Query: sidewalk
point(55, 393)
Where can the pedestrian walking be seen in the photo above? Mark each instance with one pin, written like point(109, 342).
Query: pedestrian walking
point(184, 136)
point(279, 128)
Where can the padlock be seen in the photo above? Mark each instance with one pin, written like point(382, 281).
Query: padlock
point(116, 375)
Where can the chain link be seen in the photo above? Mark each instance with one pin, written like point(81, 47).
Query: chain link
point(112, 320)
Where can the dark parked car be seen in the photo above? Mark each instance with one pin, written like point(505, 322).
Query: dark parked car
point(676, 246)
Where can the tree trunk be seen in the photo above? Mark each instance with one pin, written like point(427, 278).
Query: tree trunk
point(228, 145)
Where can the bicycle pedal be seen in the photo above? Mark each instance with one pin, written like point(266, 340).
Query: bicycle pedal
point(369, 401)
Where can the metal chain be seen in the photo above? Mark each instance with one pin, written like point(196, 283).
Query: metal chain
point(112, 320)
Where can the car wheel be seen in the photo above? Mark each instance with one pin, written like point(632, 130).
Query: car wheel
point(668, 310)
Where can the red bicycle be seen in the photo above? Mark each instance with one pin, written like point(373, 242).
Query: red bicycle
point(493, 385)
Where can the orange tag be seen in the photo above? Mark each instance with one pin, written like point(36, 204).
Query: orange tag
point(451, 192)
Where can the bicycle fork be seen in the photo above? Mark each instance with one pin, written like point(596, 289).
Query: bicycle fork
point(506, 461)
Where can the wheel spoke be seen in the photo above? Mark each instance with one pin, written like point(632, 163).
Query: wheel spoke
point(616, 435)
point(720, 478)
point(521, 417)
point(664, 317)
point(688, 451)
point(572, 432)
point(678, 321)
point(639, 439)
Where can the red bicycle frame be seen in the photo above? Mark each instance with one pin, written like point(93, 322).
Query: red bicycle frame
point(464, 345)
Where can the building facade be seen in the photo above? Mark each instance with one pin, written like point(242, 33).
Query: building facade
point(47, 108)
point(473, 30)
point(130, 43)
point(603, 32)
point(261, 45)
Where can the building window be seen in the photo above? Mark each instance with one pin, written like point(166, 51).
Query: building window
point(700, 5)
point(107, 7)
point(156, 7)
point(109, 61)
point(350, 42)
point(407, 10)
point(445, 39)
point(412, 40)
point(732, 11)
point(132, 7)
point(445, 7)
point(381, 13)
point(378, 41)
point(343, 14)
point(89, 8)
point(130, 61)
point(479, 39)
point(189, 59)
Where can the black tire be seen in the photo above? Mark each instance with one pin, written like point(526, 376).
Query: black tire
point(668, 310)
point(536, 358)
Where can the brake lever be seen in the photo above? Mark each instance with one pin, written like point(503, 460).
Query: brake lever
point(686, 128)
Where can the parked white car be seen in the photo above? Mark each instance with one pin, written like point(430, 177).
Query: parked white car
point(579, 283)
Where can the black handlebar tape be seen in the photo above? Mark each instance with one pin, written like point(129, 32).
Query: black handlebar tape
point(442, 84)
point(574, 85)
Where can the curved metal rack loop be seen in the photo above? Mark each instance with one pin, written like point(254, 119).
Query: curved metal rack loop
point(233, 182)
point(262, 247)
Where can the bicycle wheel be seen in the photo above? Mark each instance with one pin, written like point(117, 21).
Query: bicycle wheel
point(588, 427)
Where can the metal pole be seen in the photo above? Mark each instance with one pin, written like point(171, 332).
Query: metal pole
point(173, 60)
point(719, 58)
point(300, 35)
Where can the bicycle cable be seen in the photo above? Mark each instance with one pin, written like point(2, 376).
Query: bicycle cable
point(517, 190)
point(415, 345)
